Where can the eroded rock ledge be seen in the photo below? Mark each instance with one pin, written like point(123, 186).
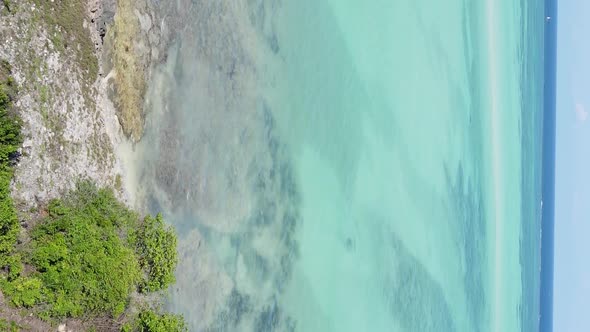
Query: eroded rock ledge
point(131, 46)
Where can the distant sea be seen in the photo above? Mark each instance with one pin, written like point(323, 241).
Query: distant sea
point(548, 187)
point(340, 165)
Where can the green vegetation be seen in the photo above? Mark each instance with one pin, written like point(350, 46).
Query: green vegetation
point(10, 140)
point(6, 326)
point(156, 247)
point(6, 4)
point(24, 292)
point(89, 254)
point(150, 321)
point(85, 265)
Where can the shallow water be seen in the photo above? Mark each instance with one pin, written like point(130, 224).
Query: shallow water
point(350, 166)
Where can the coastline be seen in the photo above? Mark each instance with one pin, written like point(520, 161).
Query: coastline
point(60, 55)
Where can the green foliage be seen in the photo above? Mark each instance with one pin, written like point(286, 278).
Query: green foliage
point(10, 140)
point(89, 254)
point(9, 226)
point(15, 266)
point(156, 246)
point(82, 259)
point(5, 67)
point(6, 4)
point(23, 292)
point(44, 93)
point(150, 321)
point(6, 326)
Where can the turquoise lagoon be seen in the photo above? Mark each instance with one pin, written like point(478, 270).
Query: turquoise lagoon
point(338, 165)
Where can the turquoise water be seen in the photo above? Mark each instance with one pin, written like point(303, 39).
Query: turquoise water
point(338, 165)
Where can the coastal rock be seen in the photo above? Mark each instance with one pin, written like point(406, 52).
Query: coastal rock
point(132, 46)
point(69, 127)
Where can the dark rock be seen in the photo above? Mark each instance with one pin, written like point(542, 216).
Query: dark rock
point(106, 18)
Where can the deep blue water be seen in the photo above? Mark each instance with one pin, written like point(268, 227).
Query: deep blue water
point(548, 168)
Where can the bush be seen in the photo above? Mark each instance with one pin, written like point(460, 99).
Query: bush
point(10, 126)
point(89, 254)
point(6, 326)
point(9, 225)
point(15, 266)
point(156, 247)
point(150, 321)
point(83, 261)
point(10, 140)
point(24, 292)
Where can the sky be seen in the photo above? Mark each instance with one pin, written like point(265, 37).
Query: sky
point(572, 174)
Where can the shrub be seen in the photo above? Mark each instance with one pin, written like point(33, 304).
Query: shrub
point(83, 261)
point(89, 254)
point(156, 247)
point(6, 326)
point(9, 226)
point(23, 292)
point(15, 266)
point(10, 140)
point(150, 321)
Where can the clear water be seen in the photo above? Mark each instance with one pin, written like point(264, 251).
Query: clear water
point(338, 165)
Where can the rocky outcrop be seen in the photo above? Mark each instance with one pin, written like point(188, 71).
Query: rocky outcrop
point(102, 15)
point(70, 128)
point(131, 46)
point(79, 114)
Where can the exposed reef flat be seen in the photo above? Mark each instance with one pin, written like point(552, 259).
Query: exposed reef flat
point(211, 156)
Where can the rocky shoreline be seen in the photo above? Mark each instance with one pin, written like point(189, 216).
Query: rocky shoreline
point(81, 69)
point(73, 123)
point(80, 123)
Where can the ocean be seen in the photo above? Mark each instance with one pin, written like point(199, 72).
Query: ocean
point(336, 165)
point(548, 167)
